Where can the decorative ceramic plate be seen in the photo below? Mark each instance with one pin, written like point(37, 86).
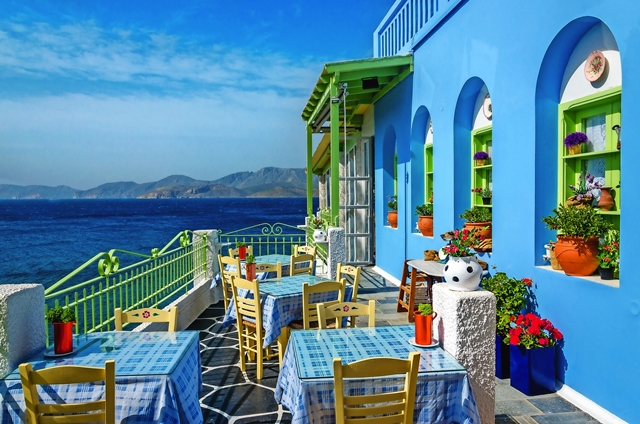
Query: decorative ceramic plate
point(595, 66)
point(49, 353)
point(412, 341)
point(487, 109)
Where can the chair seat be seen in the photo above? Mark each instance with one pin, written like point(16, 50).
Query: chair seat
point(299, 325)
point(249, 323)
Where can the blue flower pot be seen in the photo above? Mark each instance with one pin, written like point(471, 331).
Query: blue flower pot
point(502, 358)
point(533, 371)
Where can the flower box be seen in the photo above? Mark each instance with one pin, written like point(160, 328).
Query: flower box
point(502, 357)
point(533, 371)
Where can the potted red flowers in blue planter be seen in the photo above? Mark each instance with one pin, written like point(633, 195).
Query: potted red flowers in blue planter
point(533, 347)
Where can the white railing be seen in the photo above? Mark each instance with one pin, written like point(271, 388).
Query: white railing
point(408, 22)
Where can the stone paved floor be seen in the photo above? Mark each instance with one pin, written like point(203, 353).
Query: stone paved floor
point(231, 396)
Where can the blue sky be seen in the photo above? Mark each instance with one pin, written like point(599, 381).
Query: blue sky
point(100, 91)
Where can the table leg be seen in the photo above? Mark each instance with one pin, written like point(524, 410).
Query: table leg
point(403, 282)
point(412, 295)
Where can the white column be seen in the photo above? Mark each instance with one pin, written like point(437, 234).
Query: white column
point(466, 327)
point(22, 324)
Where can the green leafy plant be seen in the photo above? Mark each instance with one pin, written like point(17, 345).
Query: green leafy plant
point(609, 251)
point(425, 309)
point(60, 314)
point(581, 222)
point(240, 244)
point(477, 214)
point(511, 298)
point(483, 192)
point(393, 202)
point(424, 210)
point(250, 259)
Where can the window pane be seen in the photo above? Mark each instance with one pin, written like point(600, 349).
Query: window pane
point(597, 133)
point(596, 168)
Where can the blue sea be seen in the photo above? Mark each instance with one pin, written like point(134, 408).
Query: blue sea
point(41, 241)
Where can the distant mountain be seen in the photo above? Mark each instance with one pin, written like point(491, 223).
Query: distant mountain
point(266, 182)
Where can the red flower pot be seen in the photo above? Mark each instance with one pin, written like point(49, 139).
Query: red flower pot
point(242, 252)
point(250, 271)
point(425, 225)
point(392, 217)
point(63, 337)
point(424, 324)
point(576, 256)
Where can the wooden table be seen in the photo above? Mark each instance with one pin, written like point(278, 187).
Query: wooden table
point(420, 271)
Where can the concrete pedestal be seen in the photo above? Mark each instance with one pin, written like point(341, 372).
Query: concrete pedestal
point(465, 327)
point(21, 324)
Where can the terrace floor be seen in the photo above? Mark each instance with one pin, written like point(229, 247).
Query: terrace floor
point(230, 396)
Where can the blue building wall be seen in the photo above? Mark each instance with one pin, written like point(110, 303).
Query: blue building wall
point(519, 50)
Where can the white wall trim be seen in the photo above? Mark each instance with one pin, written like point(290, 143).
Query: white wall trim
point(386, 276)
point(587, 405)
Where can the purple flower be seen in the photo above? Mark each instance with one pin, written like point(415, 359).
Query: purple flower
point(480, 155)
point(575, 138)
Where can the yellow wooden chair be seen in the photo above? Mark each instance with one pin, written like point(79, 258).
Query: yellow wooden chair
point(385, 407)
point(277, 268)
point(354, 272)
point(309, 310)
point(249, 323)
point(87, 412)
point(226, 275)
point(341, 310)
point(304, 250)
point(234, 252)
point(147, 315)
point(298, 259)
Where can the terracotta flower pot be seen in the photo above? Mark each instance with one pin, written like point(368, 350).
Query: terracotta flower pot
point(577, 256)
point(63, 337)
point(392, 217)
point(424, 328)
point(554, 261)
point(606, 199)
point(486, 233)
point(250, 271)
point(425, 225)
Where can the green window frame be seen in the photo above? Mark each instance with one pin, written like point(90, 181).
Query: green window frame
point(573, 117)
point(428, 171)
point(481, 176)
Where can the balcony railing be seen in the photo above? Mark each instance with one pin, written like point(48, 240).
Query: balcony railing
point(155, 281)
point(408, 22)
point(266, 239)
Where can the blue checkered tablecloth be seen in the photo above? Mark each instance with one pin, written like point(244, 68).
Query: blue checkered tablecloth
point(281, 300)
point(158, 377)
point(305, 384)
point(261, 276)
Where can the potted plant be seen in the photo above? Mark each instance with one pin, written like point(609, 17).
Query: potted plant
point(484, 193)
point(609, 255)
point(63, 319)
point(574, 141)
point(511, 299)
point(392, 216)
point(551, 255)
point(462, 271)
point(250, 268)
point(242, 250)
point(533, 341)
point(425, 219)
point(583, 193)
point(478, 218)
point(579, 230)
point(319, 230)
point(424, 324)
point(480, 158)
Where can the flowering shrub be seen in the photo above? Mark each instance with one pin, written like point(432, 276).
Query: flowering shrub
point(577, 222)
point(586, 184)
point(531, 331)
point(393, 202)
point(609, 252)
point(575, 138)
point(511, 298)
point(481, 155)
point(483, 192)
point(462, 242)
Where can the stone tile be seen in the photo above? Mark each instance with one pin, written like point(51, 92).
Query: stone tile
point(565, 418)
point(551, 405)
point(505, 419)
point(269, 418)
point(201, 324)
point(241, 400)
point(224, 376)
point(515, 408)
point(506, 392)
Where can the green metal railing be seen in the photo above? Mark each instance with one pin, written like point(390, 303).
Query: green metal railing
point(155, 281)
point(266, 239)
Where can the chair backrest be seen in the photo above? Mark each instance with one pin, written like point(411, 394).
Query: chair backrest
point(91, 411)
point(309, 309)
point(341, 310)
point(234, 252)
point(385, 407)
point(225, 275)
point(277, 268)
point(353, 271)
point(298, 259)
point(249, 306)
point(147, 315)
point(306, 250)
